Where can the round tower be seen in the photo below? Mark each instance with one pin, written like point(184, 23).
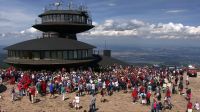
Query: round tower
point(65, 21)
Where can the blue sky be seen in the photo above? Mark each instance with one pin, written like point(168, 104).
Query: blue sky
point(125, 22)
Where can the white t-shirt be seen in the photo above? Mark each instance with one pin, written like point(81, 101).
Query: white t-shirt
point(104, 85)
point(93, 86)
point(77, 99)
point(116, 84)
point(196, 105)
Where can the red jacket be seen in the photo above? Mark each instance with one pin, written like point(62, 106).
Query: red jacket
point(33, 90)
point(189, 105)
point(134, 93)
point(19, 85)
point(44, 86)
point(148, 95)
point(168, 94)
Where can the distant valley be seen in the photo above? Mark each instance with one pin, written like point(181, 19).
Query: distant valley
point(145, 55)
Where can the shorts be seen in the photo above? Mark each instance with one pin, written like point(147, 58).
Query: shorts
point(189, 110)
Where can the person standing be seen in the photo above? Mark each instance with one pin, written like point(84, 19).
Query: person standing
point(13, 94)
point(19, 85)
point(93, 104)
point(51, 90)
point(33, 90)
point(29, 93)
point(102, 95)
point(63, 92)
point(148, 97)
point(93, 88)
point(77, 101)
point(189, 106)
point(134, 95)
point(38, 86)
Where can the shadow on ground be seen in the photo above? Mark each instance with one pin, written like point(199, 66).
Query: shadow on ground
point(2, 88)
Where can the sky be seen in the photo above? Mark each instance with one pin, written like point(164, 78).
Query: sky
point(150, 23)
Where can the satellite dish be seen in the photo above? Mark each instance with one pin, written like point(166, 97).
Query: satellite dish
point(57, 4)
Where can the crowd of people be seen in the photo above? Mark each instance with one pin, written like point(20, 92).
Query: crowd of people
point(147, 85)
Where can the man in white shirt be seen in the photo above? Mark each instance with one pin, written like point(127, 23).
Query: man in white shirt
point(196, 106)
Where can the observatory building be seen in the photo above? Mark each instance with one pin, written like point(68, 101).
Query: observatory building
point(58, 46)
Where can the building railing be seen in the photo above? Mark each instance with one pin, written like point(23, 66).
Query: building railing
point(45, 61)
point(40, 21)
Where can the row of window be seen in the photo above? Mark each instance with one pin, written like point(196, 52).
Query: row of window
point(66, 55)
point(66, 18)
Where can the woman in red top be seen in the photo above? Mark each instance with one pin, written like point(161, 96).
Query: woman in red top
point(189, 106)
point(33, 90)
point(134, 94)
point(148, 97)
point(168, 93)
point(43, 86)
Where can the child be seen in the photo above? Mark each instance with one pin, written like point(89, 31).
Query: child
point(77, 101)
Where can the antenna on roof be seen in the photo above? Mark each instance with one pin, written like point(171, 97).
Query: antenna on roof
point(70, 4)
point(58, 3)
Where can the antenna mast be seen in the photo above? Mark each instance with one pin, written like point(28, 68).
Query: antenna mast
point(70, 4)
point(58, 4)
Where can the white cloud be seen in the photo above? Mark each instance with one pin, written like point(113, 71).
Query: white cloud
point(27, 33)
point(175, 11)
point(126, 28)
point(111, 4)
point(29, 30)
point(137, 28)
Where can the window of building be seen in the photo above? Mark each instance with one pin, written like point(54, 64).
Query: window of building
point(71, 54)
point(36, 55)
point(58, 18)
point(74, 19)
point(79, 54)
point(17, 54)
point(47, 55)
point(70, 19)
point(75, 54)
point(53, 54)
point(89, 52)
point(83, 53)
point(65, 55)
point(66, 18)
point(86, 53)
point(62, 18)
point(60, 54)
point(54, 18)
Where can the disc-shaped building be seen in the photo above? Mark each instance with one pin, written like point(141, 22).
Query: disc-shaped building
point(58, 46)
